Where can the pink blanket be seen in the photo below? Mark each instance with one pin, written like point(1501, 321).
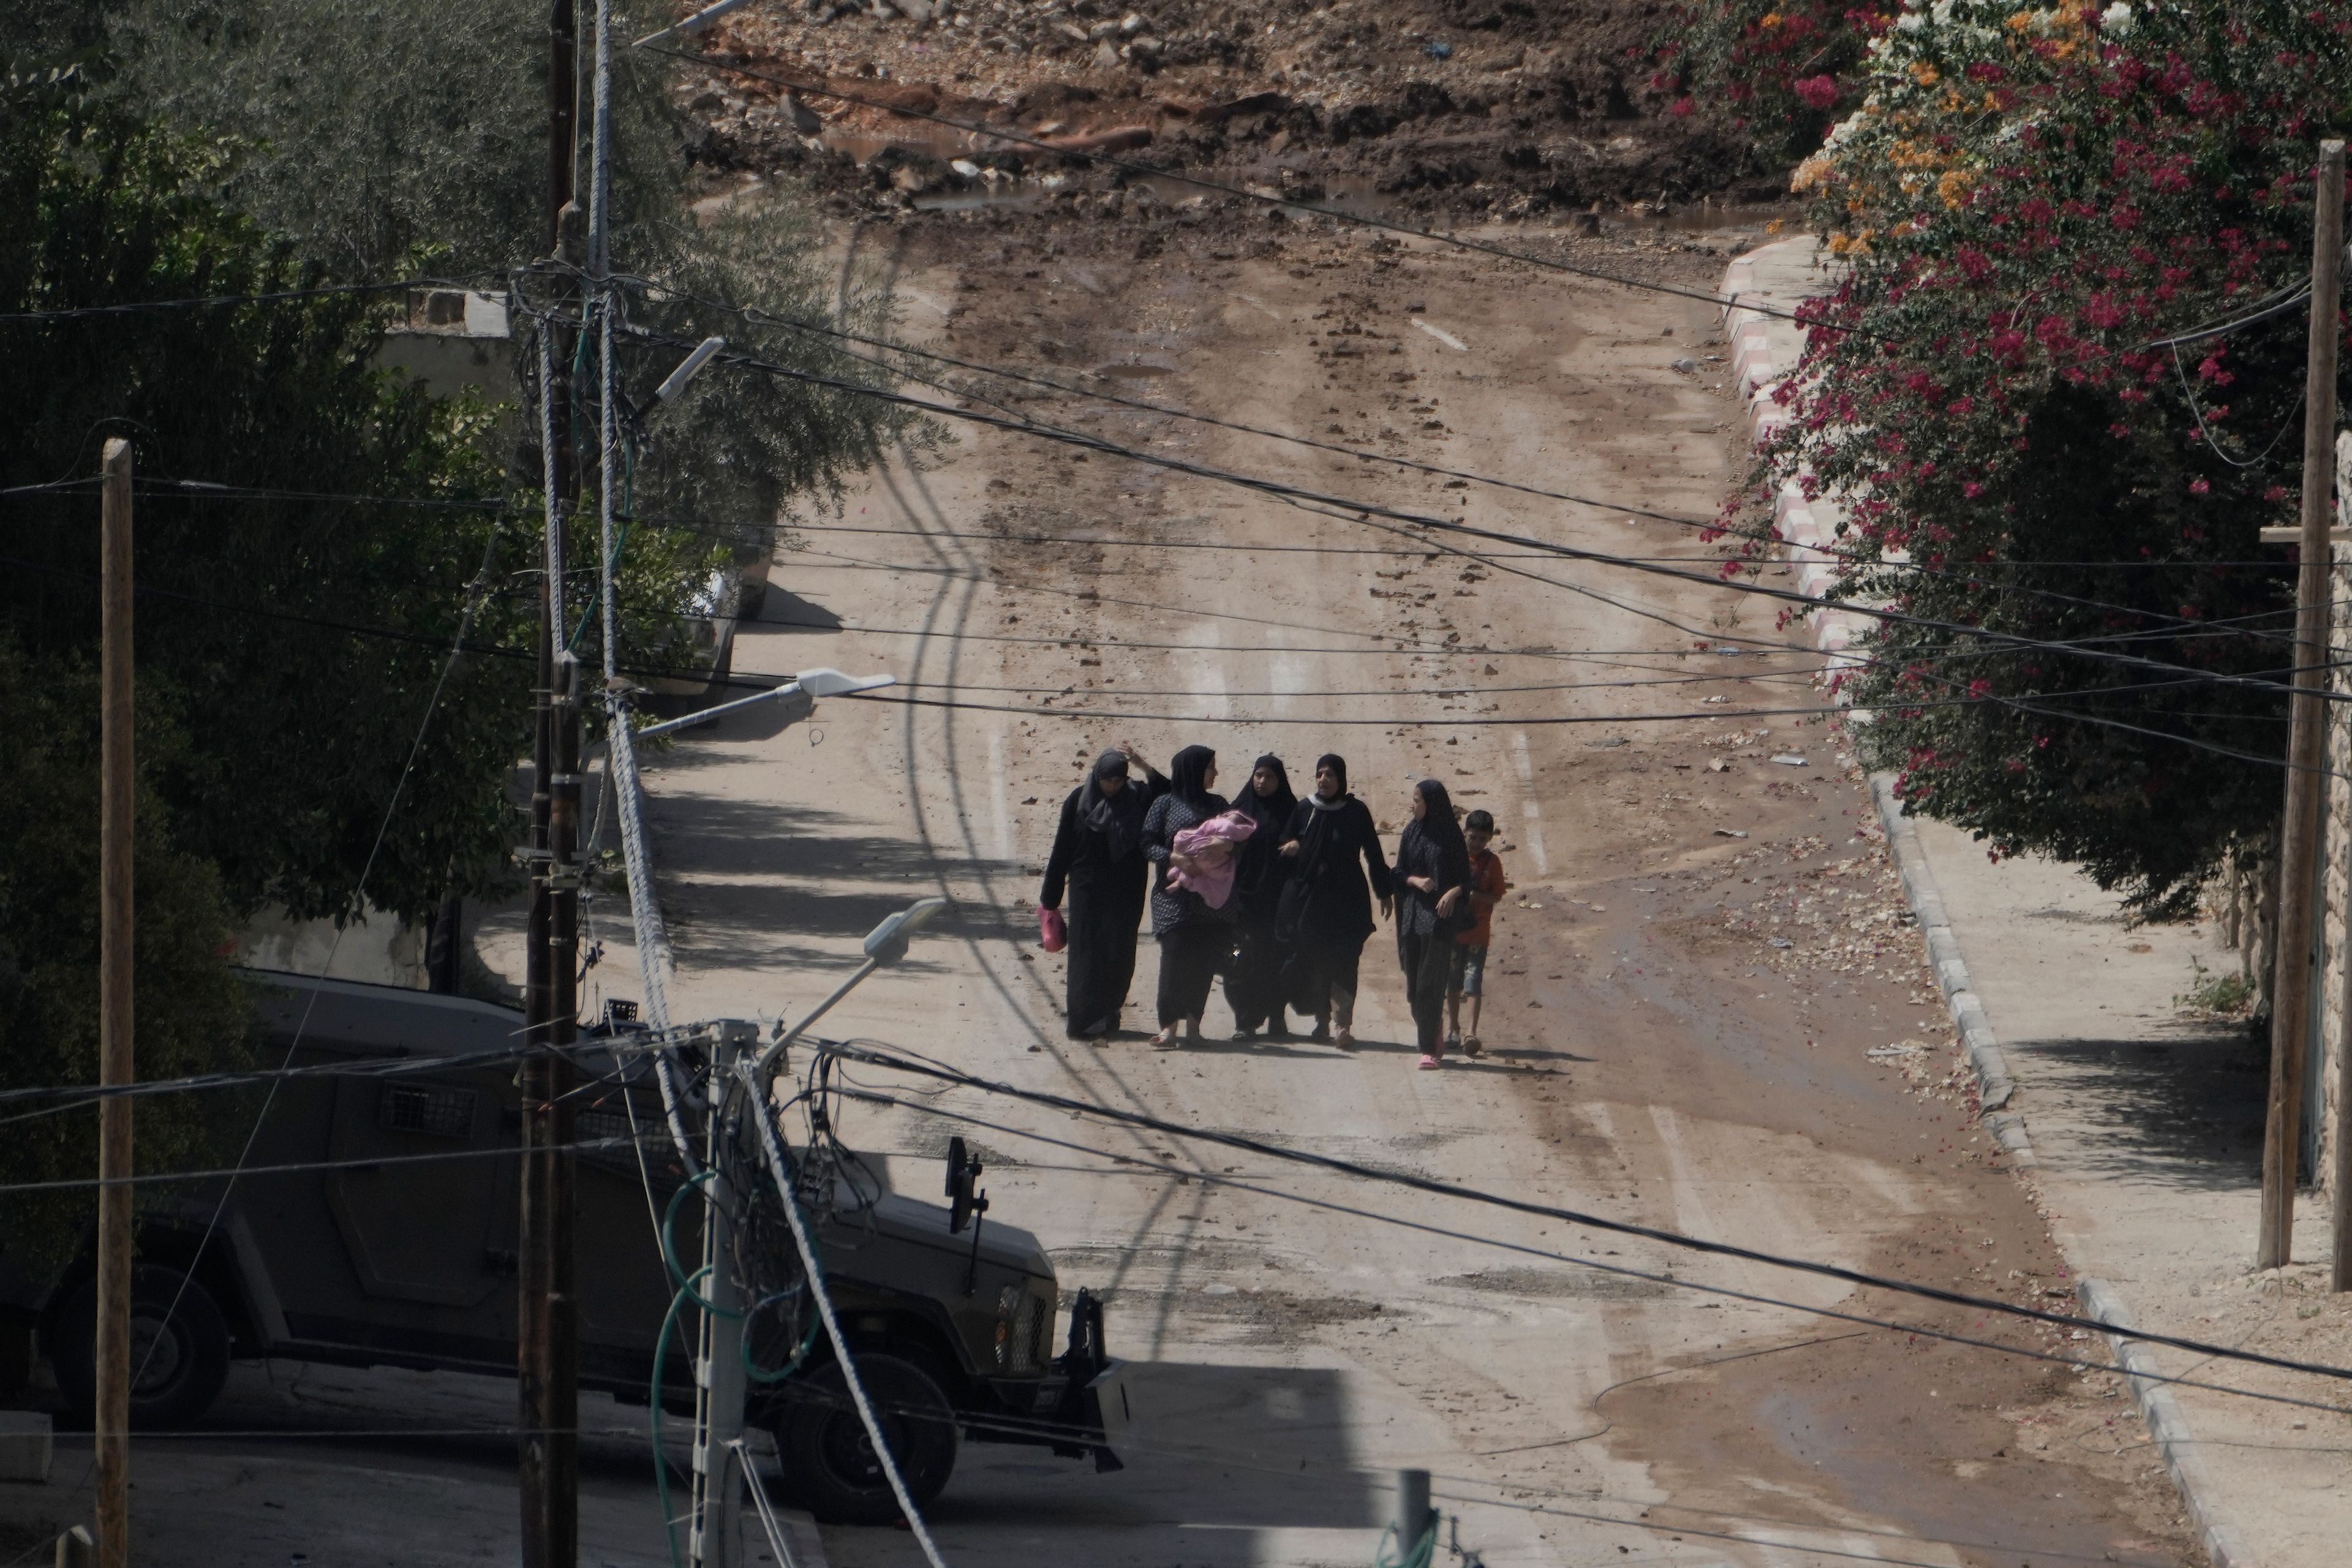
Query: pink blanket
point(1211, 847)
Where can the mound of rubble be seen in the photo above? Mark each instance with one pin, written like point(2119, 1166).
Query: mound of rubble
point(1461, 107)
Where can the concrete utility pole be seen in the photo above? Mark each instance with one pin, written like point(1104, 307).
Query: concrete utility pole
point(111, 1434)
point(2299, 844)
point(719, 1383)
point(546, 1318)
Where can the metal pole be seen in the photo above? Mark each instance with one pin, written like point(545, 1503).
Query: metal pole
point(719, 1379)
point(1413, 1513)
point(562, 1369)
point(112, 1431)
point(2299, 840)
point(562, 108)
point(536, 1284)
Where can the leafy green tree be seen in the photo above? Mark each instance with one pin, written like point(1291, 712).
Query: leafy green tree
point(299, 728)
point(187, 1009)
point(2027, 203)
point(377, 134)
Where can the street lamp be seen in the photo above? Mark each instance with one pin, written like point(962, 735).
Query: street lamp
point(798, 695)
point(675, 383)
point(886, 944)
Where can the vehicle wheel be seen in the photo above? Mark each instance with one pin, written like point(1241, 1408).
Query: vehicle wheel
point(179, 1355)
point(828, 1458)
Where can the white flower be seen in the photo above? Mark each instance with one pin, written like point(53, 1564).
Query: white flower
point(2116, 19)
point(1911, 22)
point(1941, 13)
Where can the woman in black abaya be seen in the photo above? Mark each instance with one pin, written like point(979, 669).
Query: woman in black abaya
point(1194, 940)
point(1254, 987)
point(1326, 910)
point(1432, 881)
point(1099, 858)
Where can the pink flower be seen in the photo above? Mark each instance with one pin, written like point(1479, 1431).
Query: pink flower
point(2200, 487)
point(1680, 108)
point(1817, 91)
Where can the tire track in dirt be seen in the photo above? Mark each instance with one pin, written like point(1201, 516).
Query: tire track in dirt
point(929, 522)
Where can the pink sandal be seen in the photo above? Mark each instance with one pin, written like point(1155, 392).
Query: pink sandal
point(1431, 1064)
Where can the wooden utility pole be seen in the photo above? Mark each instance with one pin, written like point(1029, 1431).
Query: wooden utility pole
point(2299, 843)
point(547, 1336)
point(110, 1433)
point(2340, 1144)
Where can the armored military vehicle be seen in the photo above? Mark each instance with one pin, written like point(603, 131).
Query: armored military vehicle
point(380, 1256)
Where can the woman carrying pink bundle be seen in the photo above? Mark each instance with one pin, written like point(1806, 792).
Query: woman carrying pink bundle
point(1205, 857)
point(1196, 937)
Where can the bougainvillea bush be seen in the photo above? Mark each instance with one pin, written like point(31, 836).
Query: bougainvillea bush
point(2023, 203)
point(1787, 69)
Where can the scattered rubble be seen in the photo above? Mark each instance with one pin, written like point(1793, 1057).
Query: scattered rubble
point(1519, 113)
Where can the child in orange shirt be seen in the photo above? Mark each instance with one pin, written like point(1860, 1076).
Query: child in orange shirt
point(1487, 887)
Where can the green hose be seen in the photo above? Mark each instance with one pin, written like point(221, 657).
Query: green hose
point(1419, 1557)
point(669, 1247)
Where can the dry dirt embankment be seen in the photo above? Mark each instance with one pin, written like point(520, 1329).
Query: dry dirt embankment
point(1515, 109)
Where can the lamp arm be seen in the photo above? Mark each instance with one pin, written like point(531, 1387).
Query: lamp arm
point(762, 1068)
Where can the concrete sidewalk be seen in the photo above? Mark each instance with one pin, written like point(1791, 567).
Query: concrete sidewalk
point(2145, 1127)
point(2138, 1120)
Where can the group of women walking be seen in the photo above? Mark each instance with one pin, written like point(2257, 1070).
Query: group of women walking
point(1273, 892)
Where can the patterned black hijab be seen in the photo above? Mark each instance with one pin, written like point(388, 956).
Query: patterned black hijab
point(1437, 828)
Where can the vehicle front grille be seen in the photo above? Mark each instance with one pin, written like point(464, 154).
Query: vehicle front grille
point(441, 1112)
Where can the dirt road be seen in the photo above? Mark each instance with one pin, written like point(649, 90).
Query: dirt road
point(1708, 1013)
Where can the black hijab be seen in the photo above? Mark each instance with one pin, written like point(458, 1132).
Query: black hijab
point(1337, 764)
point(1188, 775)
point(1118, 817)
point(1272, 812)
point(1439, 826)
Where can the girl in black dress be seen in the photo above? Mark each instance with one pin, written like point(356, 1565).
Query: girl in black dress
point(1433, 879)
point(1098, 859)
point(1195, 940)
point(1254, 987)
point(1326, 910)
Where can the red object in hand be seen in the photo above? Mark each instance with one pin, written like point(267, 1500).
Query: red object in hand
point(1051, 932)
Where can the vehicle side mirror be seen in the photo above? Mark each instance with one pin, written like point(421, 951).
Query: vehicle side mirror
point(964, 1200)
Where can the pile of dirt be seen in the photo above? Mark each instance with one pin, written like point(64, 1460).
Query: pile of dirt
point(1501, 108)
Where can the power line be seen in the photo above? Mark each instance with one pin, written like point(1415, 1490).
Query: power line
point(358, 892)
point(780, 1171)
point(942, 1074)
point(1432, 553)
point(212, 302)
point(231, 1173)
point(1210, 1178)
point(2191, 627)
point(1367, 510)
point(77, 1095)
point(762, 681)
point(1855, 558)
point(2191, 630)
